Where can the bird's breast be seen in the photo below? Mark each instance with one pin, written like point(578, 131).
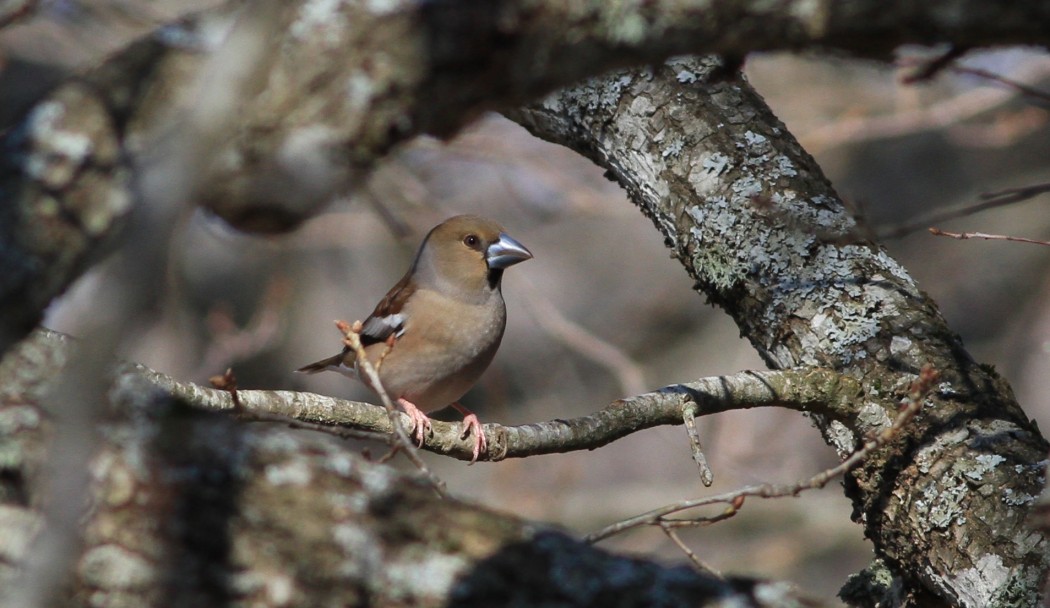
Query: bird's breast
point(442, 353)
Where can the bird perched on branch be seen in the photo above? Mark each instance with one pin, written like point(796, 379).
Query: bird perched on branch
point(437, 329)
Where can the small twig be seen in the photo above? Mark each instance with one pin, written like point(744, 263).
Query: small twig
point(1020, 87)
point(984, 235)
point(989, 200)
point(228, 382)
point(352, 337)
point(693, 557)
point(230, 343)
point(734, 501)
point(707, 477)
point(929, 68)
point(16, 12)
point(940, 114)
point(571, 334)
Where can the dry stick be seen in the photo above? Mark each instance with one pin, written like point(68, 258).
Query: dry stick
point(989, 200)
point(230, 343)
point(1020, 87)
point(707, 477)
point(351, 334)
point(583, 342)
point(700, 564)
point(735, 500)
point(984, 235)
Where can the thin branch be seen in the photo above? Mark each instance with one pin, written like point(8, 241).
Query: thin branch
point(698, 563)
point(951, 111)
point(928, 68)
point(17, 11)
point(962, 236)
point(734, 500)
point(1020, 87)
point(583, 342)
point(807, 390)
point(707, 477)
point(399, 438)
point(230, 343)
point(989, 200)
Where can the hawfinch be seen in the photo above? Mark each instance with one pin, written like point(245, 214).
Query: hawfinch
point(434, 333)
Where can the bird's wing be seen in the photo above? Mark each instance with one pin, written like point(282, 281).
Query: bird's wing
point(388, 319)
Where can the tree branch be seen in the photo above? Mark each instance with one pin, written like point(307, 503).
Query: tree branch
point(822, 391)
point(262, 111)
point(753, 220)
point(193, 508)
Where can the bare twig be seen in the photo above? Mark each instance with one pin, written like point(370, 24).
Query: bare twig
point(984, 235)
point(352, 336)
point(228, 382)
point(825, 392)
point(734, 500)
point(230, 343)
point(989, 200)
point(967, 105)
point(698, 563)
point(946, 62)
point(16, 11)
point(571, 334)
point(707, 477)
point(929, 68)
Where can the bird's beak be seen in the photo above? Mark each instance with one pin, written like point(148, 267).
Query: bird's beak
point(506, 252)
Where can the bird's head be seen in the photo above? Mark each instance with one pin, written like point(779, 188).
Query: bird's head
point(467, 254)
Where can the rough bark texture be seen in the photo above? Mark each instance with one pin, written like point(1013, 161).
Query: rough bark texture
point(302, 99)
point(191, 508)
point(262, 111)
point(753, 220)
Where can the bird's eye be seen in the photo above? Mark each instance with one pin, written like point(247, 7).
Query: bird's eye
point(471, 240)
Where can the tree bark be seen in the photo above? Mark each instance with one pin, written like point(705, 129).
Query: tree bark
point(309, 101)
point(195, 508)
point(262, 111)
point(752, 218)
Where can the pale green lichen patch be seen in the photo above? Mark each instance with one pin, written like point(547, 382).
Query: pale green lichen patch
point(320, 20)
point(295, 472)
point(58, 150)
point(427, 575)
point(975, 585)
point(115, 568)
point(872, 417)
point(985, 463)
point(22, 526)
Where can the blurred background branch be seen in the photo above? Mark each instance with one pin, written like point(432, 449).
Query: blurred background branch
point(263, 115)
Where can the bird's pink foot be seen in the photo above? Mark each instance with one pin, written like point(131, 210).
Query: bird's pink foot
point(471, 422)
point(420, 423)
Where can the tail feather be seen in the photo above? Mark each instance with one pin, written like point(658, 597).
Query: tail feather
point(322, 365)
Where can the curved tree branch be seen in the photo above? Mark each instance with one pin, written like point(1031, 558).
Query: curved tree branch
point(262, 111)
point(824, 392)
point(752, 218)
point(193, 508)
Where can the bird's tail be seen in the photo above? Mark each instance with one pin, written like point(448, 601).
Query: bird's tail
point(322, 365)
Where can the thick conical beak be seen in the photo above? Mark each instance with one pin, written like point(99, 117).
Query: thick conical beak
point(506, 252)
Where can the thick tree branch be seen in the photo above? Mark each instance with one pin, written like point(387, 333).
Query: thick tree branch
point(261, 111)
point(824, 392)
point(752, 218)
point(194, 508)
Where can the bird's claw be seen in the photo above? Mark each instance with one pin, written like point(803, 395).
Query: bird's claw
point(421, 426)
point(481, 444)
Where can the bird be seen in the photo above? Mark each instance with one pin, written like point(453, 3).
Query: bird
point(436, 331)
